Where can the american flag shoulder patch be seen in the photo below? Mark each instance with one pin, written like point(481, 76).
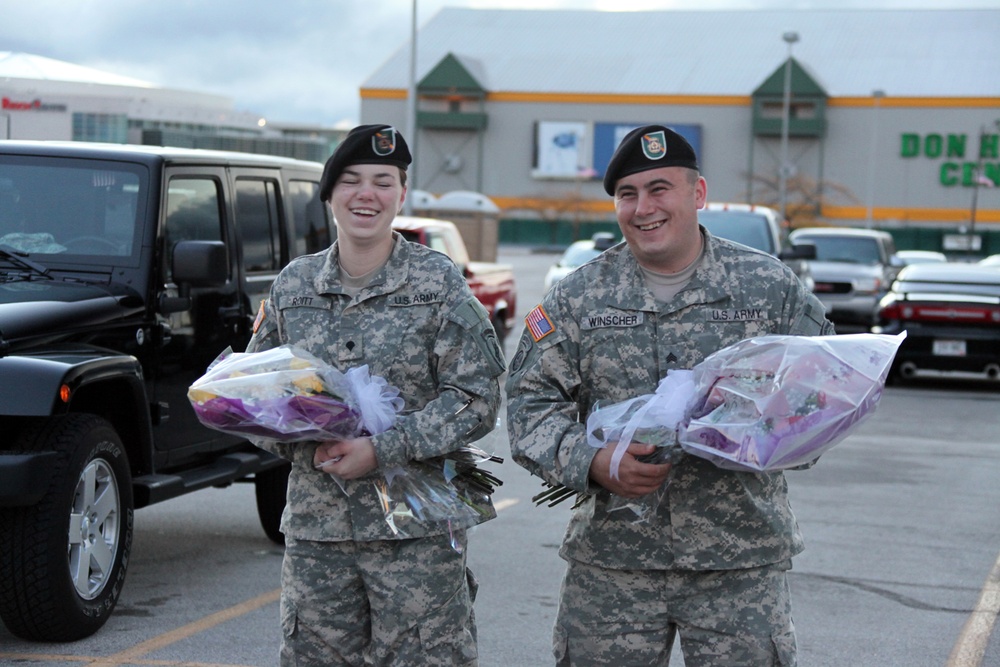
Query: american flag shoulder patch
point(260, 316)
point(538, 323)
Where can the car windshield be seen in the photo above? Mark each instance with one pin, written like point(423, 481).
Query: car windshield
point(578, 255)
point(843, 249)
point(747, 228)
point(73, 207)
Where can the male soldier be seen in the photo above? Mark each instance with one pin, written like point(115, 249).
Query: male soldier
point(353, 591)
point(710, 563)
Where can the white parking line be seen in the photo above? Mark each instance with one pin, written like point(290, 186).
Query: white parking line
point(505, 503)
point(971, 645)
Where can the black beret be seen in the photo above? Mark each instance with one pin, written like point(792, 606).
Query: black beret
point(365, 144)
point(649, 147)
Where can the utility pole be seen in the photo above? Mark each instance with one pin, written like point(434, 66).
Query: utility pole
point(790, 38)
point(411, 111)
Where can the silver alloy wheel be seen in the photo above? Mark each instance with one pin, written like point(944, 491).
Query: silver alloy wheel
point(94, 529)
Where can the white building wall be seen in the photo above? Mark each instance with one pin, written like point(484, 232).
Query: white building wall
point(841, 160)
point(37, 125)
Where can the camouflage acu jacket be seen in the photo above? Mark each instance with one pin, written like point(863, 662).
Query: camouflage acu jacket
point(417, 325)
point(600, 336)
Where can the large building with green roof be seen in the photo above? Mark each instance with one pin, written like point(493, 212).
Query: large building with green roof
point(893, 115)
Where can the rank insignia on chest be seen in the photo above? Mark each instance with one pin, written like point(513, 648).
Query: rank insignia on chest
point(538, 323)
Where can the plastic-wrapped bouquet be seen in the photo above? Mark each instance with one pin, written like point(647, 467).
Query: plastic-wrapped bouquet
point(289, 395)
point(651, 419)
point(764, 404)
point(439, 492)
point(779, 402)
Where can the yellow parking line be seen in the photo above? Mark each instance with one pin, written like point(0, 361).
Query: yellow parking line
point(971, 645)
point(53, 658)
point(156, 643)
point(134, 654)
point(42, 657)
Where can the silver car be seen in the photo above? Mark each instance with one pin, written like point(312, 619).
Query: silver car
point(578, 254)
point(852, 271)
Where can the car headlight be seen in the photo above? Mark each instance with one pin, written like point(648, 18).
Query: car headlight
point(866, 285)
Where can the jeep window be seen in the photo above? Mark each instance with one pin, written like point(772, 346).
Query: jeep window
point(77, 207)
point(312, 224)
point(193, 214)
point(257, 218)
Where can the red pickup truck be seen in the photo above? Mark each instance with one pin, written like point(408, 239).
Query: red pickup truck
point(492, 283)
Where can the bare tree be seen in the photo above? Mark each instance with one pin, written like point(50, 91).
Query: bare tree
point(806, 196)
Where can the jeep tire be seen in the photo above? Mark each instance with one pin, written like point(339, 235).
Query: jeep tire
point(63, 561)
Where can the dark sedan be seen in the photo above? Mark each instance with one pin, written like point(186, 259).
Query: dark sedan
point(951, 315)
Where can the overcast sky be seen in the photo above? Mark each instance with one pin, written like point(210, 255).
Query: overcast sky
point(300, 61)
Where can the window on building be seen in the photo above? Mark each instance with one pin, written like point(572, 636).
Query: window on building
point(106, 127)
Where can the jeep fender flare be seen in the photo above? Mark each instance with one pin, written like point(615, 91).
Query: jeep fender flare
point(90, 380)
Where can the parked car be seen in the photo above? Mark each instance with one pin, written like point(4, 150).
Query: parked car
point(492, 283)
point(125, 270)
point(758, 227)
point(951, 316)
point(578, 254)
point(909, 257)
point(992, 260)
point(853, 270)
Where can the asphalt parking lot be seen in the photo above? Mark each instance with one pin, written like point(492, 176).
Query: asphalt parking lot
point(901, 565)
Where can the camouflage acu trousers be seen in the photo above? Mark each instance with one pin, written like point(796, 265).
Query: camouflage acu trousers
point(630, 618)
point(398, 602)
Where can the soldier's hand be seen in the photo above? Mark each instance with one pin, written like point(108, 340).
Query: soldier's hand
point(635, 478)
point(347, 459)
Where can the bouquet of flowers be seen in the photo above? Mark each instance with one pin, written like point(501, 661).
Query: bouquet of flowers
point(764, 404)
point(779, 402)
point(445, 490)
point(289, 395)
point(652, 419)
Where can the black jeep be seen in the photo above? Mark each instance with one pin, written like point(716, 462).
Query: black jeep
point(124, 271)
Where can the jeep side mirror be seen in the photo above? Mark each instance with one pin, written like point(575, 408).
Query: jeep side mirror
point(195, 264)
point(200, 263)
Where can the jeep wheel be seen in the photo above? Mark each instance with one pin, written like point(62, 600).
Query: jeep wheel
point(63, 561)
point(271, 487)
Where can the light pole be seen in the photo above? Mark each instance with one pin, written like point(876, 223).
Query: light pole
point(411, 108)
point(877, 96)
point(790, 38)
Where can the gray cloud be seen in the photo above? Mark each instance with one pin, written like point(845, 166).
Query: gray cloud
point(293, 61)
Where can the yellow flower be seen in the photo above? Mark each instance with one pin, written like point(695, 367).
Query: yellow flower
point(296, 363)
point(309, 384)
point(200, 395)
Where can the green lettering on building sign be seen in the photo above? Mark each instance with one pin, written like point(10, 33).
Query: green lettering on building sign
point(934, 145)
